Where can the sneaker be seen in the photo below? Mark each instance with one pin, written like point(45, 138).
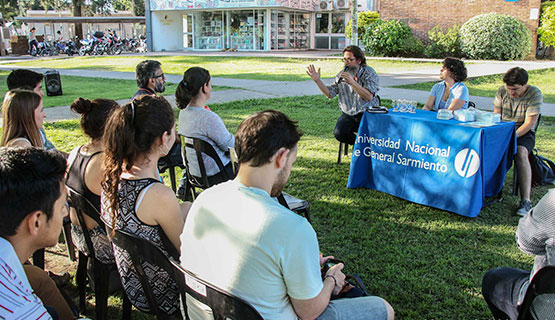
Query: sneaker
point(525, 207)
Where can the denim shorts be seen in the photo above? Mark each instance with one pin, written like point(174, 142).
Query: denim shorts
point(362, 308)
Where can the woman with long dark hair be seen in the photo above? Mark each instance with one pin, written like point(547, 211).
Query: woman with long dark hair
point(23, 115)
point(133, 198)
point(451, 93)
point(196, 121)
point(85, 175)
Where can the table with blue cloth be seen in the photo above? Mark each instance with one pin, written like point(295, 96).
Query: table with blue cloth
point(445, 164)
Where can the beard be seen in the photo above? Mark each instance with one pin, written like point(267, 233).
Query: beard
point(278, 186)
point(160, 87)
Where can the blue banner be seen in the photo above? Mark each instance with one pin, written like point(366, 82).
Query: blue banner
point(443, 164)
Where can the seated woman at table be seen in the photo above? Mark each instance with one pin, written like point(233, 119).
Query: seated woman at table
point(450, 93)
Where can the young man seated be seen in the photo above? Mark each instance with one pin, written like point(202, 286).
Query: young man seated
point(240, 239)
point(32, 208)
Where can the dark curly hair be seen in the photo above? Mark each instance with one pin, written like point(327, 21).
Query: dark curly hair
point(456, 68)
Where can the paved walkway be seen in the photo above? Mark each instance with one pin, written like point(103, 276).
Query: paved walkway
point(260, 89)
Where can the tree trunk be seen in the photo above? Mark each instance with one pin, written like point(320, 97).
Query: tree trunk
point(354, 24)
point(77, 5)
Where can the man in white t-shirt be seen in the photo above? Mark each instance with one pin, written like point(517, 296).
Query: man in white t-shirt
point(242, 240)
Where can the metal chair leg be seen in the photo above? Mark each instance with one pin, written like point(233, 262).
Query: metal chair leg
point(339, 153)
point(67, 238)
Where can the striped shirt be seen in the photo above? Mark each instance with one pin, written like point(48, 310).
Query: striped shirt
point(536, 235)
point(517, 109)
point(349, 100)
point(17, 300)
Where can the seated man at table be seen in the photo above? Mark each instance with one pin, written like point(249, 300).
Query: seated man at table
point(451, 93)
point(519, 102)
point(241, 240)
point(32, 207)
point(504, 288)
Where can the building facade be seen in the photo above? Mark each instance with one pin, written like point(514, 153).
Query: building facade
point(175, 25)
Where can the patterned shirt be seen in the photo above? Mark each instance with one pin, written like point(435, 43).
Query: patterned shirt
point(517, 109)
point(17, 300)
point(349, 100)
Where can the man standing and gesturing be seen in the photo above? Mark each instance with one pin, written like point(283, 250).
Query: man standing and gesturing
point(356, 86)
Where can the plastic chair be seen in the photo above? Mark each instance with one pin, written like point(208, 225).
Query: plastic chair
point(515, 175)
point(200, 146)
point(539, 301)
point(101, 271)
point(170, 161)
point(141, 250)
point(224, 305)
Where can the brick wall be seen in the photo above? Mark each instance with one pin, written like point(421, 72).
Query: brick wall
point(423, 15)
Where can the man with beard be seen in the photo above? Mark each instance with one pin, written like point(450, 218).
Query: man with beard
point(150, 78)
point(356, 85)
point(242, 240)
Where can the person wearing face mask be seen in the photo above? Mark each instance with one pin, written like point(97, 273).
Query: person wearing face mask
point(150, 78)
point(356, 85)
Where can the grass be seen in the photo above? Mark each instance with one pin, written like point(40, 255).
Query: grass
point(259, 68)
point(91, 88)
point(487, 86)
point(427, 263)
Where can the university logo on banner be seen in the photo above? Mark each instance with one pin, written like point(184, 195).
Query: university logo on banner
point(467, 163)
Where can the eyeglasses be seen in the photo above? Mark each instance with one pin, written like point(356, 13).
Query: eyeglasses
point(349, 59)
point(159, 76)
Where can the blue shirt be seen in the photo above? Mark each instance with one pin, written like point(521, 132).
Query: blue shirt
point(458, 91)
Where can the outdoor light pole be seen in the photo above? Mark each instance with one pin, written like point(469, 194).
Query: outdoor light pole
point(354, 23)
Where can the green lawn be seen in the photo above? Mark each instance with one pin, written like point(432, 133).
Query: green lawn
point(260, 68)
point(427, 263)
point(486, 86)
point(91, 88)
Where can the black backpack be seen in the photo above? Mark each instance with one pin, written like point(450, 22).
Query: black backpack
point(543, 169)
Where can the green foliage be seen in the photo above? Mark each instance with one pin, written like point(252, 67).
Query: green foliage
point(444, 44)
point(495, 36)
point(364, 19)
point(546, 31)
point(391, 38)
point(546, 5)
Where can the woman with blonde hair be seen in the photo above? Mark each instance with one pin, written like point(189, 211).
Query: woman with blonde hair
point(23, 115)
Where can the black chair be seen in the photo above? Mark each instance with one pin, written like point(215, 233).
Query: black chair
point(100, 271)
point(539, 300)
point(201, 147)
point(344, 147)
point(515, 176)
point(141, 250)
point(224, 305)
point(170, 161)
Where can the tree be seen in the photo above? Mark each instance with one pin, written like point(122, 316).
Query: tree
point(547, 28)
point(78, 12)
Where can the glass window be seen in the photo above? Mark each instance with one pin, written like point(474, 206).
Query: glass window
point(337, 42)
point(322, 21)
point(337, 23)
point(322, 42)
point(208, 30)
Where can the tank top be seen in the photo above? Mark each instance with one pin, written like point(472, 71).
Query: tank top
point(167, 293)
point(76, 176)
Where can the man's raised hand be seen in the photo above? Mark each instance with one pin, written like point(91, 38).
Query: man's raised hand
point(311, 71)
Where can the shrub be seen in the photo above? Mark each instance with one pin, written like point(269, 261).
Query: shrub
point(365, 18)
point(495, 36)
point(546, 31)
point(391, 38)
point(444, 44)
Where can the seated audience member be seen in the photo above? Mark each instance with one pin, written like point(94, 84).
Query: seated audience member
point(150, 78)
point(85, 174)
point(451, 93)
point(33, 205)
point(133, 198)
point(23, 115)
point(197, 122)
point(243, 241)
point(29, 80)
point(519, 102)
point(504, 288)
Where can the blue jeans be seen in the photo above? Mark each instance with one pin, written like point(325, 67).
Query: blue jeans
point(361, 308)
point(501, 289)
